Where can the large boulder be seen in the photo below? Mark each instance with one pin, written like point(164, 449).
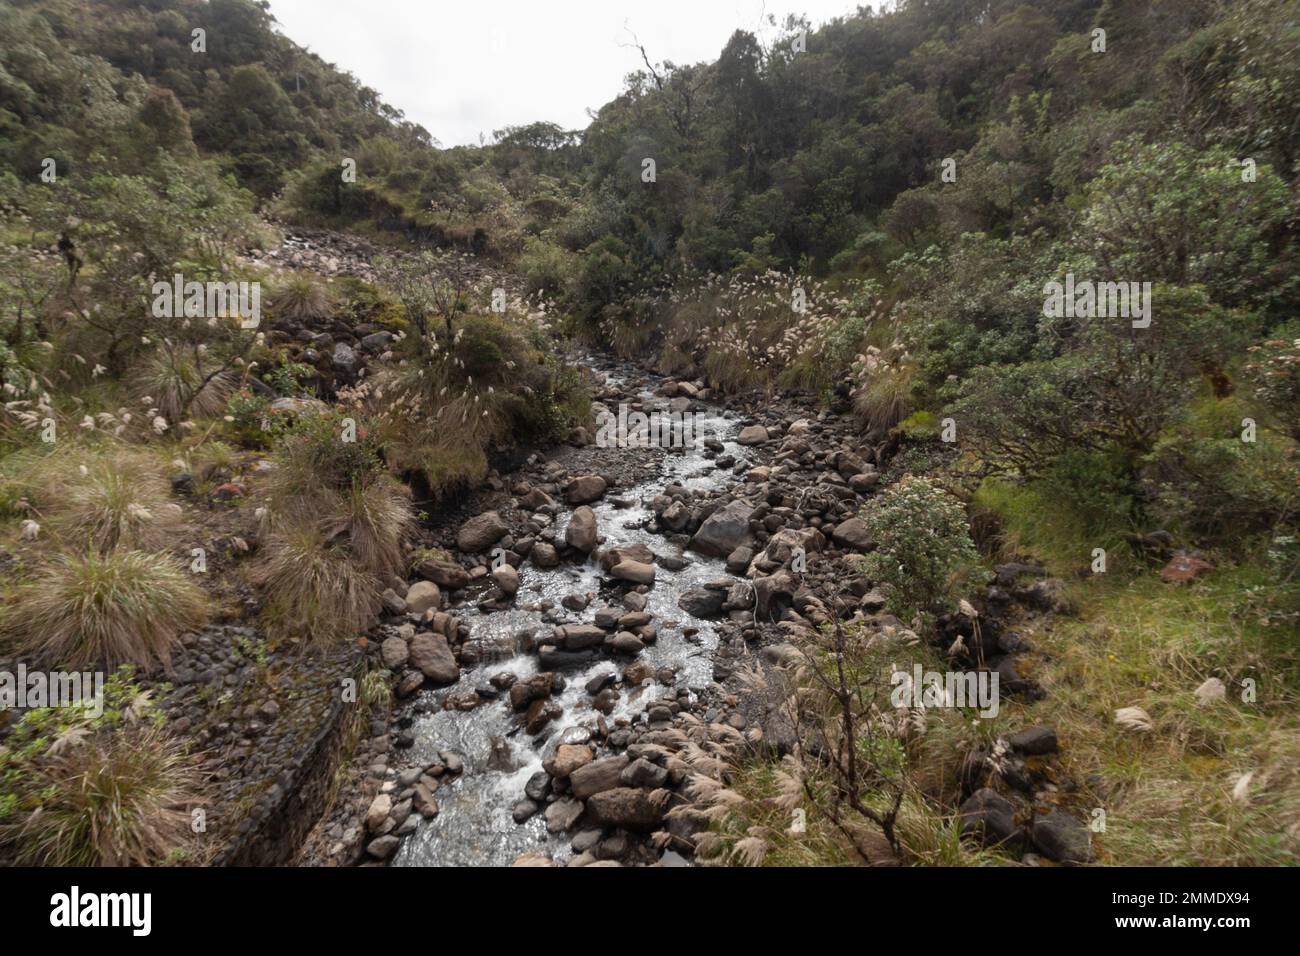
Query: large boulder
point(854, 535)
point(423, 596)
point(626, 552)
point(584, 489)
point(752, 435)
point(597, 776)
point(446, 574)
point(702, 602)
point(625, 807)
point(635, 571)
point(582, 532)
point(433, 658)
point(724, 530)
point(478, 534)
point(991, 819)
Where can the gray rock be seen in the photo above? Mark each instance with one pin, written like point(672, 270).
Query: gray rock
point(624, 807)
point(1061, 837)
point(990, 818)
point(394, 652)
point(597, 776)
point(724, 530)
point(479, 533)
point(433, 658)
point(582, 532)
point(702, 602)
point(585, 489)
point(423, 596)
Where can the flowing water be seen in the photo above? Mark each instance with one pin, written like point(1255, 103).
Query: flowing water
point(474, 826)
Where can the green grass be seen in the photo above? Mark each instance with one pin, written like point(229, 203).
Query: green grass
point(1138, 641)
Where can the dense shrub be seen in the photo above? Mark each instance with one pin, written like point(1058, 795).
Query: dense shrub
point(922, 544)
point(109, 790)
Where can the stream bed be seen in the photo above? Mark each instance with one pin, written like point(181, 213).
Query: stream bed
point(475, 826)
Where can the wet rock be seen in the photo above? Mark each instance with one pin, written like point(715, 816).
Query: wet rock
point(539, 714)
point(582, 532)
point(523, 810)
point(531, 688)
point(676, 516)
point(597, 776)
point(724, 530)
point(507, 579)
point(563, 814)
point(577, 637)
point(625, 642)
point(624, 807)
point(632, 552)
point(423, 801)
point(538, 786)
point(544, 555)
point(634, 571)
point(585, 489)
point(567, 759)
point(478, 534)
point(433, 658)
point(702, 602)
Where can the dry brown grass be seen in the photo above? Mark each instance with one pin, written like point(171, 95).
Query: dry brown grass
point(314, 589)
point(92, 609)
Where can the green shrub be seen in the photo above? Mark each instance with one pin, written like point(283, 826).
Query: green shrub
point(922, 544)
point(78, 789)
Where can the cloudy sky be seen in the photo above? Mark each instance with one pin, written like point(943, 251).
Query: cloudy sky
point(465, 67)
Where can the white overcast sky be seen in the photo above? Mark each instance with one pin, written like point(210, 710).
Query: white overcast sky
point(469, 66)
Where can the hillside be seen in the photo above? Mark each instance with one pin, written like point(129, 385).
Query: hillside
point(990, 310)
